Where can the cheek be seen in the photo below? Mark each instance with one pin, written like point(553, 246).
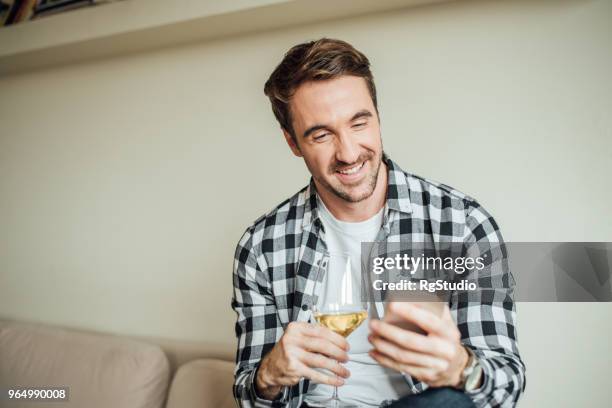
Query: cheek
point(318, 161)
point(371, 140)
point(312, 164)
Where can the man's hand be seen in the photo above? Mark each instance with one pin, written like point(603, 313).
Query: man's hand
point(302, 348)
point(437, 358)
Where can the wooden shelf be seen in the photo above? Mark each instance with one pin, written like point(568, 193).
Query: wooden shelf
point(137, 25)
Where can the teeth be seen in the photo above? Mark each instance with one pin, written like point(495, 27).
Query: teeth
point(352, 170)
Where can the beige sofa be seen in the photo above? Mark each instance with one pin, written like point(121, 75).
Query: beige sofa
point(103, 370)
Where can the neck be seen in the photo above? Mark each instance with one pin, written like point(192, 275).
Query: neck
point(363, 210)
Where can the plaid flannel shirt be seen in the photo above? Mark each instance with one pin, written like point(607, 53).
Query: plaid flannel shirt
point(278, 257)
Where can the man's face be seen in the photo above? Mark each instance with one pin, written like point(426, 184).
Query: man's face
point(338, 134)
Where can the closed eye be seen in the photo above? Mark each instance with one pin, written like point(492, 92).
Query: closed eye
point(359, 125)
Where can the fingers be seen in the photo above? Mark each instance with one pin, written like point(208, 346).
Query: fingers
point(314, 360)
point(423, 318)
point(318, 339)
point(386, 361)
point(407, 357)
point(408, 340)
point(425, 374)
point(325, 333)
point(433, 358)
point(324, 346)
point(320, 378)
point(446, 315)
point(306, 346)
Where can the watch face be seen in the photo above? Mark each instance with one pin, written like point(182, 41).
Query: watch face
point(473, 379)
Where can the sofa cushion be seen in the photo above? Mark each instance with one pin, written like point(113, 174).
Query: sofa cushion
point(100, 370)
point(204, 383)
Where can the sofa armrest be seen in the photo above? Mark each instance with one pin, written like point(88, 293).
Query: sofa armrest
point(100, 370)
point(203, 383)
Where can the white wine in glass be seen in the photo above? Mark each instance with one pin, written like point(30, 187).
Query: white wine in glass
point(343, 323)
point(340, 308)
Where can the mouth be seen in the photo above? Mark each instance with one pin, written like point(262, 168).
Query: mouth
point(351, 173)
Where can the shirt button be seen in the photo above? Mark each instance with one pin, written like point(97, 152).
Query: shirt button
point(305, 307)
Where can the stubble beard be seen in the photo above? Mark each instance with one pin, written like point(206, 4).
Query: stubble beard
point(371, 182)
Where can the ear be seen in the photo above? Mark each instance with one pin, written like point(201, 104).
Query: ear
point(292, 144)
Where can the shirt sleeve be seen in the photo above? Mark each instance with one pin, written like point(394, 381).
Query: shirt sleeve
point(257, 327)
point(487, 322)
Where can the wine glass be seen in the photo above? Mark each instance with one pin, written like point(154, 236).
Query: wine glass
point(340, 307)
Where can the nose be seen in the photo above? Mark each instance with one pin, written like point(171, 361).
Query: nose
point(347, 149)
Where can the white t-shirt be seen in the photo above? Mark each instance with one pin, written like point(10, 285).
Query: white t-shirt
point(369, 384)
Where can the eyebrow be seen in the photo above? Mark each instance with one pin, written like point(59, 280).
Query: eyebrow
point(364, 113)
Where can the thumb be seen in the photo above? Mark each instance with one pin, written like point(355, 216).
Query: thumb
point(446, 314)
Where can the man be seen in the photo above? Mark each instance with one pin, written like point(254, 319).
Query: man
point(324, 97)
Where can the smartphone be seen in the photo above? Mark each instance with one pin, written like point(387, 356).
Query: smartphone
point(429, 301)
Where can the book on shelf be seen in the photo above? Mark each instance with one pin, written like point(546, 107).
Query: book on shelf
point(49, 7)
point(16, 11)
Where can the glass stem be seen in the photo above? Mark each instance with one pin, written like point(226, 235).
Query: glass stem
point(335, 395)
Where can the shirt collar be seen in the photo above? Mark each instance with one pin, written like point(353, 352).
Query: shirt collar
point(398, 193)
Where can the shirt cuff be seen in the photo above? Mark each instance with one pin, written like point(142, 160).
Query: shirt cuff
point(280, 400)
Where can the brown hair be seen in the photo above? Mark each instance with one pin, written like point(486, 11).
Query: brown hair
point(314, 61)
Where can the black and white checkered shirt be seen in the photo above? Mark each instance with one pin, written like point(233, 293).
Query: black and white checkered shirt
point(278, 256)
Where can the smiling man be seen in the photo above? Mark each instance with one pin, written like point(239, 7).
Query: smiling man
point(323, 95)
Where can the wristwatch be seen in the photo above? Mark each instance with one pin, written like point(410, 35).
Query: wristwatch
point(472, 373)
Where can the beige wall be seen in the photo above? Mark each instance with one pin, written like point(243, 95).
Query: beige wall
point(126, 182)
